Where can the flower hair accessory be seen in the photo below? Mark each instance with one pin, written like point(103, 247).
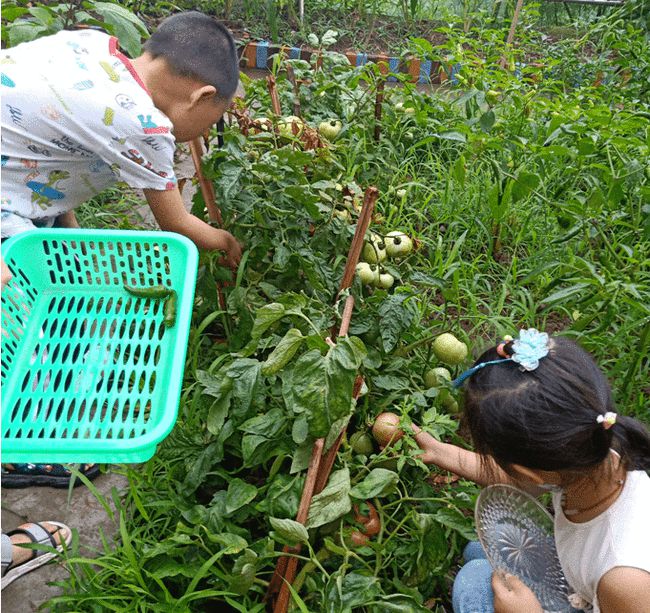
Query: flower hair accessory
point(608, 420)
point(530, 348)
point(527, 351)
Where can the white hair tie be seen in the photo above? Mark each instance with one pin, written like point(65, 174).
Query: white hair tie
point(608, 420)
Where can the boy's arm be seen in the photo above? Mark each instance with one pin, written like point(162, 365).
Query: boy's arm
point(465, 463)
point(170, 213)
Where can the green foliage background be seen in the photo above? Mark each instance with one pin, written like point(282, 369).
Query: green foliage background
point(528, 191)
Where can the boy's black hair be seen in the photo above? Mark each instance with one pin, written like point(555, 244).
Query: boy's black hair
point(196, 46)
point(547, 418)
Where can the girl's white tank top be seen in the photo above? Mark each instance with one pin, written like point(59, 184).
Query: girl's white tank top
point(620, 536)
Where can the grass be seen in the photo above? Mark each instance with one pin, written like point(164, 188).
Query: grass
point(533, 210)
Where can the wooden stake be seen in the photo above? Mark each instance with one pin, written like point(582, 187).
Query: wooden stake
point(320, 466)
point(378, 106)
point(214, 214)
point(273, 91)
point(369, 200)
point(511, 33)
point(286, 567)
point(291, 75)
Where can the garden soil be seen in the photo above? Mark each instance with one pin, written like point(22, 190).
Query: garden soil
point(83, 513)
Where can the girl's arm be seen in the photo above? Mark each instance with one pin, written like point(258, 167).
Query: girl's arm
point(624, 590)
point(465, 463)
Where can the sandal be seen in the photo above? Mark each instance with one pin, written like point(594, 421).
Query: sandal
point(53, 475)
point(38, 534)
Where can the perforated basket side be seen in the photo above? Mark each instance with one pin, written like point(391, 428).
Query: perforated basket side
point(95, 374)
point(18, 299)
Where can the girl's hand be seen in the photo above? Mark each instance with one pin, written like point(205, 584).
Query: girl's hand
point(511, 595)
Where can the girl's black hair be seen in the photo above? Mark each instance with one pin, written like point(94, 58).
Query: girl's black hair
point(196, 46)
point(547, 418)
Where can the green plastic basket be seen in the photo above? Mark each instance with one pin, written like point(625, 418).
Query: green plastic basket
point(89, 372)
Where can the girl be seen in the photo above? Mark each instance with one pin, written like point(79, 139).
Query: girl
point(541, 418)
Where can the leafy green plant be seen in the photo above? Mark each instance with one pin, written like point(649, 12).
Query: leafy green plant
point(526, 194)
point(23, 22)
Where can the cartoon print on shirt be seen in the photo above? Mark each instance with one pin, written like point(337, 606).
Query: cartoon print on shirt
point(83, 85)
point(119, 141)
point(135, 156)
point(110, 71)
point(77, 48)
point(6, 81)
point(149, 127)
point(29, 163)
point(124, 101)
point(79, 51)
point(50, 111)
point(7, 59)
point(37, 150)
point(31, 176)
point(109, 115)
point(16, 115)
point(44, 192)
point(5, 159)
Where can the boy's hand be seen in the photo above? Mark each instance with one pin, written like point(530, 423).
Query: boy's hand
point(170, 213)
point(512, 595)
point(6, 273)
point(232, 249)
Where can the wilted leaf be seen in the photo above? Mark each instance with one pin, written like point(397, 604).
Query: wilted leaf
point(290, 531)
point(378, 482)
point(333, 502)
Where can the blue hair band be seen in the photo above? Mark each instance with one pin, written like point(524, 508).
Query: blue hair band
point(458, 381)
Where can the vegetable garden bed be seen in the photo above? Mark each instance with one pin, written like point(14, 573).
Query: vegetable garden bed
point(528, 202)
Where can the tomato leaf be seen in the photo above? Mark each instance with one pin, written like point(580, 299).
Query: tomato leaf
point(289, 531)
point(333, 502)
point(396, 314)
point(351, 590)
point(379, 482)
point(248, 387)
point(454, 519)
point(284, 351)
point(233, 543)
point(321, 385)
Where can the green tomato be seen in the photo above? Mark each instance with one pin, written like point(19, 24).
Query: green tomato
point(369, 275)
point(374, 252)
point(400, 193)
point(291, 126)
point(449, 350)
point(386, 280)
point(330, 129)
point(435, 377)
point(398, 244)
point(362, 443)
point(400, 108)
point(448, 401)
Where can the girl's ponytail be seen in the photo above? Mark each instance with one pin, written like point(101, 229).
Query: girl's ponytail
point(632, 442)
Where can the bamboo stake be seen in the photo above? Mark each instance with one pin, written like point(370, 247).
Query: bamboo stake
point(320, 466)
point(378, 106)
point(273, 91)
point(286, 567)
point(511, 33)
point(369, 200)
point(291, 75)
point(214, 214)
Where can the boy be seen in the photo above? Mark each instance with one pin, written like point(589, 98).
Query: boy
point(78, 116)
